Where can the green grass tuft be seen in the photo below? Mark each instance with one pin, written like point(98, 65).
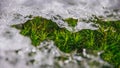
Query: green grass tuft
point(106, 38)
point(72, 22)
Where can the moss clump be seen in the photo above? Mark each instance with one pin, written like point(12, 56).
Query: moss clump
point(72, 22)
point(106, 38)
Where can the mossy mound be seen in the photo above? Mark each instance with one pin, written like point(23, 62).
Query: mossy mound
point(106, 38)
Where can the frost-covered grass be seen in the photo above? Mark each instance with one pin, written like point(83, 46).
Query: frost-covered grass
point(106, 38)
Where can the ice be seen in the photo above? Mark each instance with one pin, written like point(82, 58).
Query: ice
point(46, 55)
point(10, 39)
point(12, 11)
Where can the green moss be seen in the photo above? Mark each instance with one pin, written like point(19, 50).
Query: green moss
point(72, 22)
point(106, 38)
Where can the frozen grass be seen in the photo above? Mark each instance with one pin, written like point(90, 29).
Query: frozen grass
point(106, 38)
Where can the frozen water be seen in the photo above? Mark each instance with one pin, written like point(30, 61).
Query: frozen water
point(14, 48)
point(48, 56)
point(10, 39)
point(12, 11)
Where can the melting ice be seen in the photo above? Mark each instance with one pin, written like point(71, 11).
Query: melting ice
point(16, 50)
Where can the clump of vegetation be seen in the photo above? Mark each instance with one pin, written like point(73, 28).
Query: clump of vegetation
point(72, 22)
point(106, 38)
